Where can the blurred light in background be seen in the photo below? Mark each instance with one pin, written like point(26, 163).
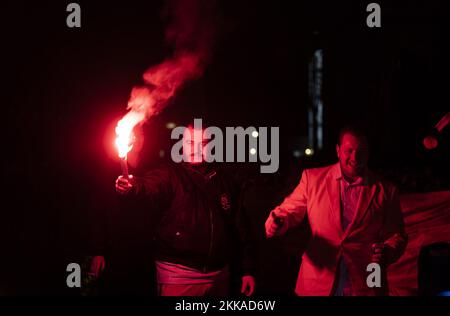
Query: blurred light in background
point(297, 153)
point(171, 125)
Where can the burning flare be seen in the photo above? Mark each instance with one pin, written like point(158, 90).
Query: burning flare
point(191, 33)
point(124, 132)
point(163, 81)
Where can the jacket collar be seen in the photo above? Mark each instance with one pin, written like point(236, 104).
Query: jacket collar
point(363, 180)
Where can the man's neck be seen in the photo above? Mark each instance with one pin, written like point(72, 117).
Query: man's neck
point(202, 166)
point(349, 179)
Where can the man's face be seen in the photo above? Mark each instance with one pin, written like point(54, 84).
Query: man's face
point(194, 145)
point(353, 155)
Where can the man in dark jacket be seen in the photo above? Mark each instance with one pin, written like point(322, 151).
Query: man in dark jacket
point(202, 230)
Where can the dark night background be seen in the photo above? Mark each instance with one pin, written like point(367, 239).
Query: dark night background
point(66, 89)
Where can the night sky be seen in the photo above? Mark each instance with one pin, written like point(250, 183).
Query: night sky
point(66, 88)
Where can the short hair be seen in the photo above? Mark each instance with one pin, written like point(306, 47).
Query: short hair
point(352, 130)
point(191, 126)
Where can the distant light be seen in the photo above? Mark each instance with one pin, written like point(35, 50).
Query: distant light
point(297, 153)
point(252, 151)
point(171, 125)
point(309, 152)
point(255, 134)
point(162, 153)
point(445, 293)
point(430, 142)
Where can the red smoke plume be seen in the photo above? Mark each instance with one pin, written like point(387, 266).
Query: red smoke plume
point(190, 32)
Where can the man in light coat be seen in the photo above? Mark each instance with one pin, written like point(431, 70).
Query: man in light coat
point(355, 220)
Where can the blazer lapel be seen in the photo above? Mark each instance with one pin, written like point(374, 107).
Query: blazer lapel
point(334, 196)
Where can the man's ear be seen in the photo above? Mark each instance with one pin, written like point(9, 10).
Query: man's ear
point(337, 150)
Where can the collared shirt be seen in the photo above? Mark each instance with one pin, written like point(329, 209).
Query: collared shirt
point(350, 193)
point(349, 196)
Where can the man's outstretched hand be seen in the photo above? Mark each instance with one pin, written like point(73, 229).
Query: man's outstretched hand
point(274, 225)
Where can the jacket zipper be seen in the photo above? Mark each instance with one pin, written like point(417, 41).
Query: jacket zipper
point(210, 241)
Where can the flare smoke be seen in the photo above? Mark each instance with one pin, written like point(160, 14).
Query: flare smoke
point(190, 32)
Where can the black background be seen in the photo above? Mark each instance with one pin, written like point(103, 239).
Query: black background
point(66, 88)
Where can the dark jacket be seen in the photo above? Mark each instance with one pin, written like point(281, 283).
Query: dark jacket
point(202, 223)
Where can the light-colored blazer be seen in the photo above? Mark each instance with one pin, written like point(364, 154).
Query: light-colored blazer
point(378, 218)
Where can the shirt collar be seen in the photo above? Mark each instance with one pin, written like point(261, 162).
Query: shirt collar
point(363, 180)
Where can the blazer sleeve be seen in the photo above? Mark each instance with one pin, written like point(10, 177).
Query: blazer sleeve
point(393, 232)
point(293, 209)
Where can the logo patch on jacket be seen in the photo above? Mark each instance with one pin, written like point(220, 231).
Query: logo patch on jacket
point(225, 202)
